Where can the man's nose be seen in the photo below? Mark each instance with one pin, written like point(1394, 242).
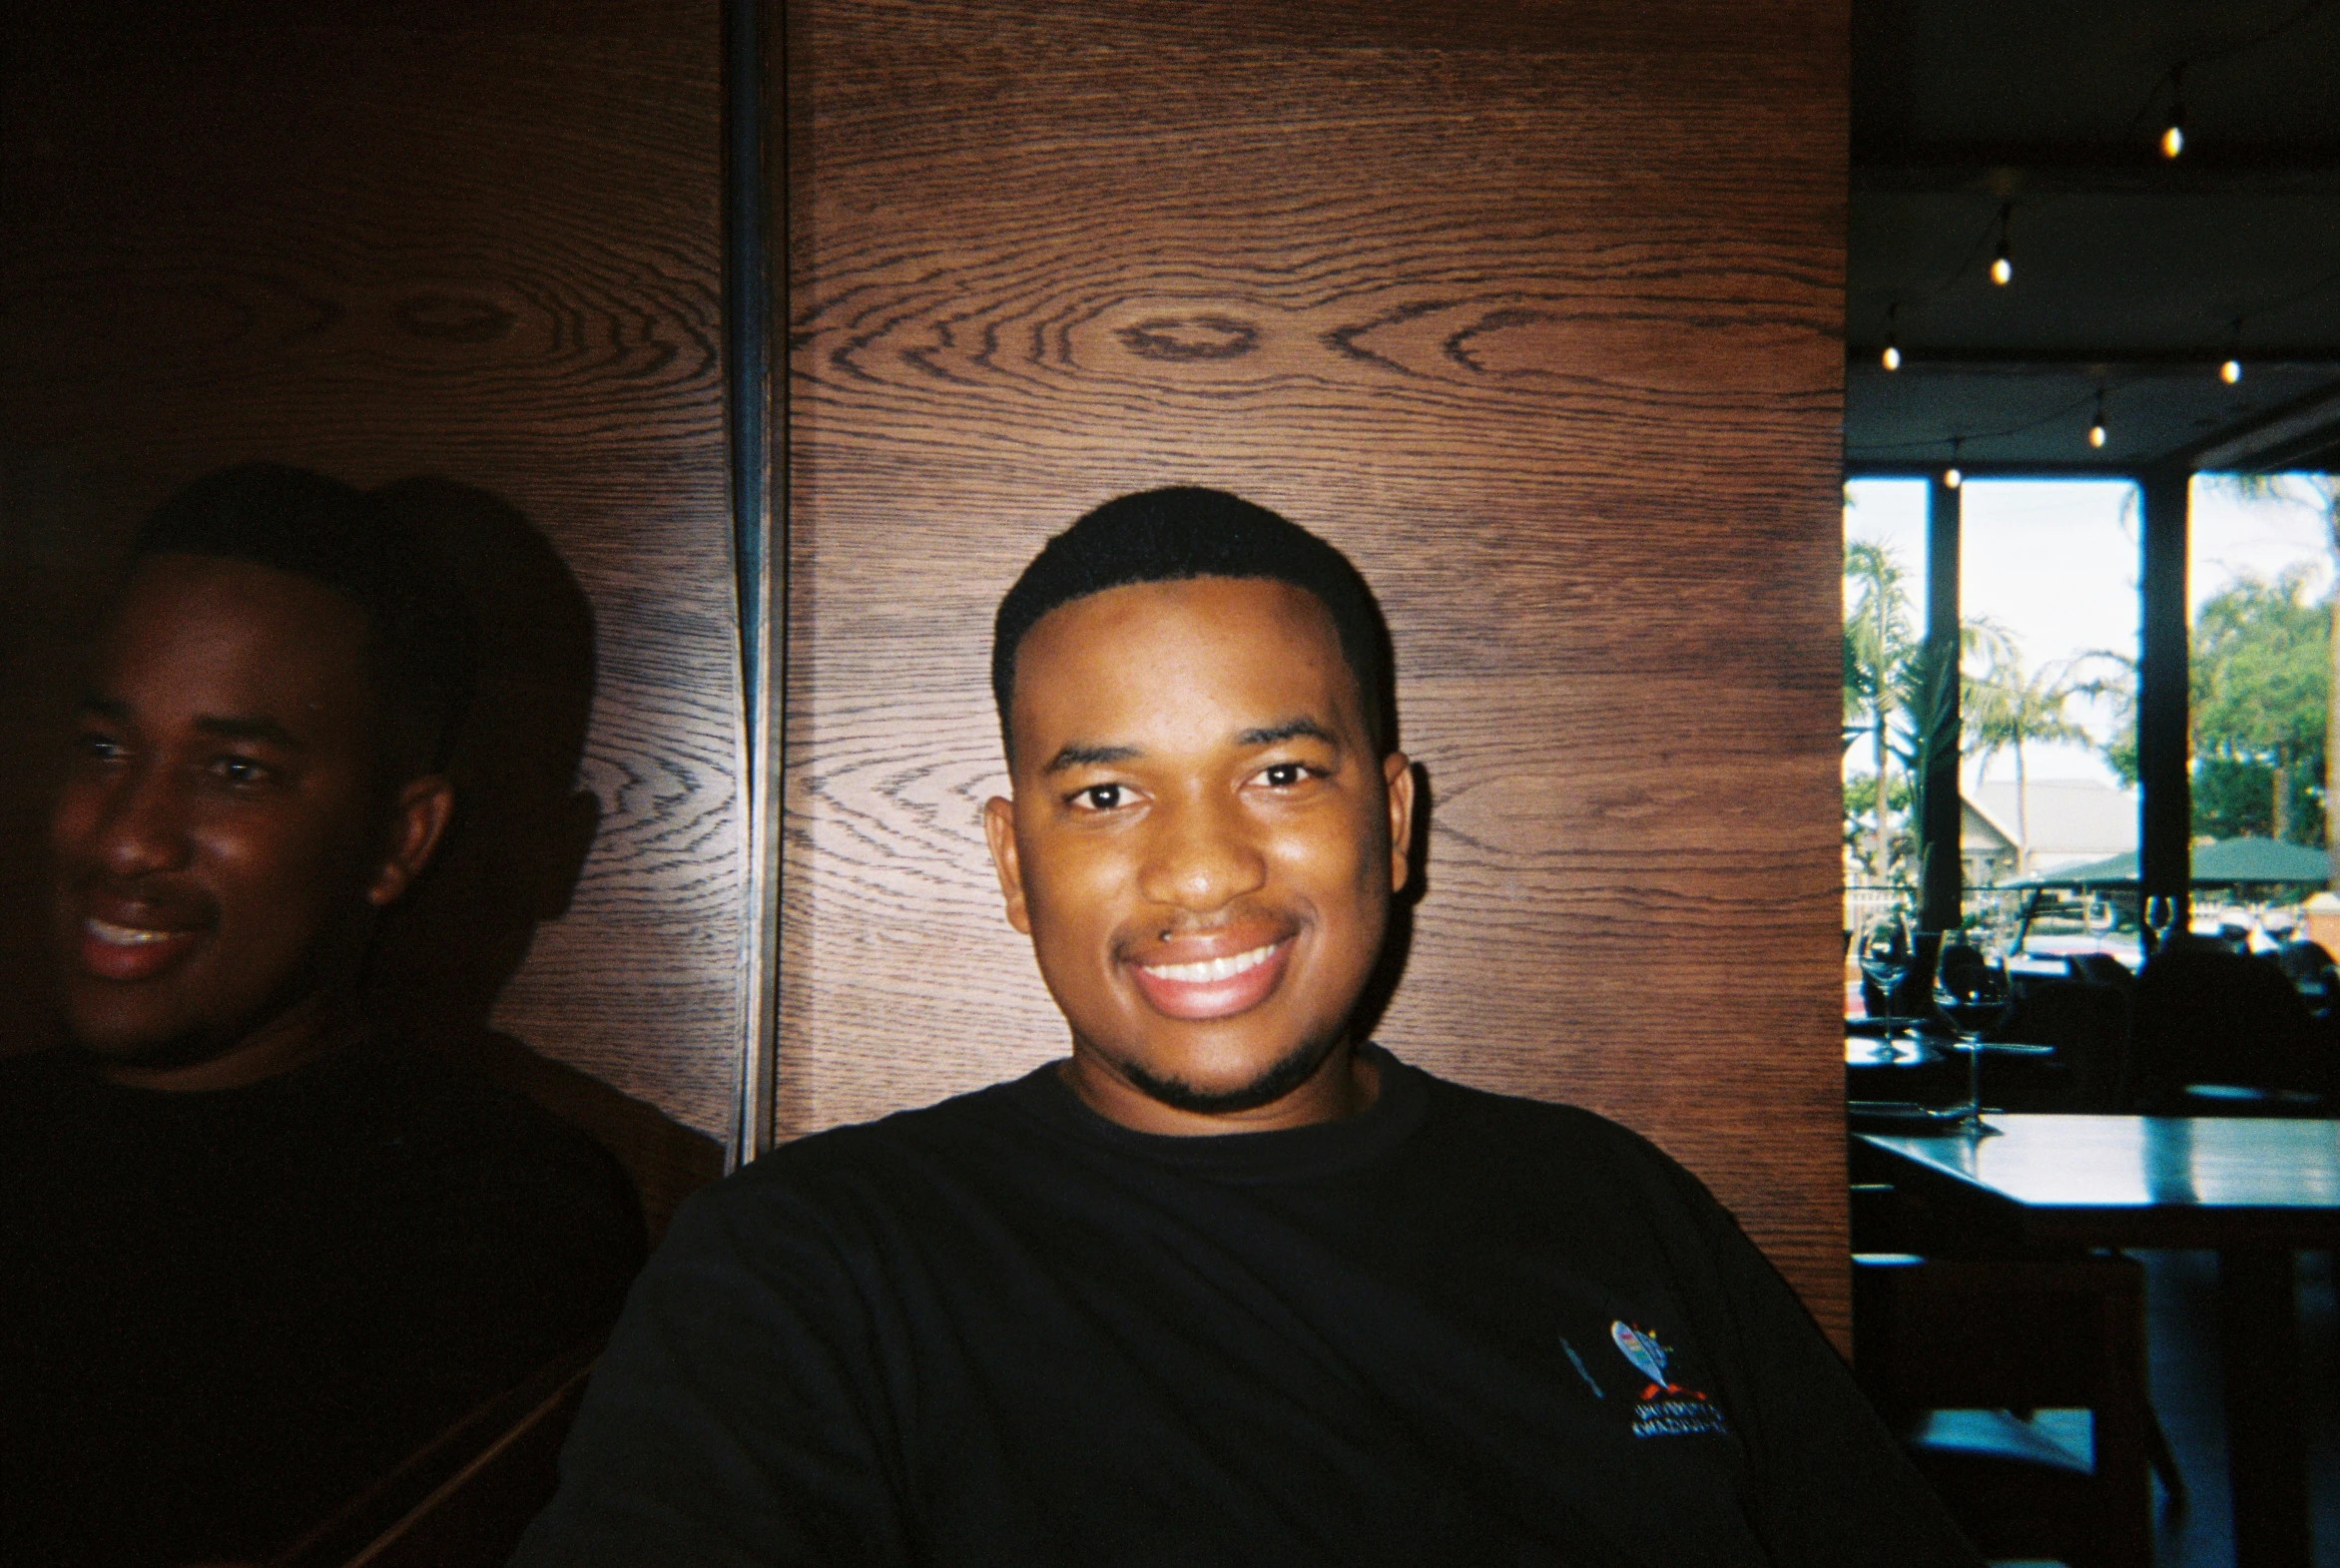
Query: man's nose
point(1201, 857)
point(142, 828)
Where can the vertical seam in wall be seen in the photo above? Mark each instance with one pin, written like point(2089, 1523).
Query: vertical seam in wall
point(758, 566)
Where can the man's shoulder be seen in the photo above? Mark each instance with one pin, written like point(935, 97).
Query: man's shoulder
point(921, 1138)
point(843, 1189)
point(1567, 1152)
point(435, 1096)
point(1553, 1124)
point(482, 1134)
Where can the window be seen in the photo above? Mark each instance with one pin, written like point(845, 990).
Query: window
point(2259, 575)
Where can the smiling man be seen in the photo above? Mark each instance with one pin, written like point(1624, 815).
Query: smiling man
point(1229, 1283)
point(255, 1252)
point(1204, 839)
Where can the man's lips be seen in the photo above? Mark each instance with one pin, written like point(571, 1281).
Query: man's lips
point(1213, 987)
point(109, 951)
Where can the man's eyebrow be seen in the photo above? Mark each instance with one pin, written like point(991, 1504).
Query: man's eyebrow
point(1078, 755)
point(1287, 729)
point(237, 729)
point(104, 707)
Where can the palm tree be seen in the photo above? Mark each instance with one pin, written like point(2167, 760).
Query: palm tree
point(2004, 709)
point(1877, 647)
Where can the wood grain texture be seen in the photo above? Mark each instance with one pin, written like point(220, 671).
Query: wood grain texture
point(1533, 310)
point(478, 242)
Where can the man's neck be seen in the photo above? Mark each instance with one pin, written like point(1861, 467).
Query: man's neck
point(310, 1028)
point(1345, 1084)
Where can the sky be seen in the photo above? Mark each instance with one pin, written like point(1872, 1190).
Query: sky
point(2055, 561)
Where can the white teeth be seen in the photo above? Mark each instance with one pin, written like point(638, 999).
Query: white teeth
point(123, 936)
point(1210, 968)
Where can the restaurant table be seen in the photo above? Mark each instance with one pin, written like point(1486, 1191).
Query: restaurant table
point(1930, 1069)
point(2253, 1189)
point(1928, 1050)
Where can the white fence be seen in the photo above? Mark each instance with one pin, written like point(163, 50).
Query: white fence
point(1863, 902)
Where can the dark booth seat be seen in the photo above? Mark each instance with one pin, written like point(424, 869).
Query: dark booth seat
point(2222, 1033)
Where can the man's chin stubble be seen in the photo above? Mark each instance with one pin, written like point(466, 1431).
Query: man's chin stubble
point(1278, 1080)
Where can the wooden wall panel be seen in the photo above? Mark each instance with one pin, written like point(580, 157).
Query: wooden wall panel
point(1533, 310)
point(474, 240)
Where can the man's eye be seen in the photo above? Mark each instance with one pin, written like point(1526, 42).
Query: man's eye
point(96, 746)
point(1101, 797)
point(242, 771)
point(1283, 776)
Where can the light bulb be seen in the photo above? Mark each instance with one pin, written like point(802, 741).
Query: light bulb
point(2174, 140)
point(2003, 269)
point(1892, 357)
point(1952, 478)
point(2096, 434)
point(2231, 372)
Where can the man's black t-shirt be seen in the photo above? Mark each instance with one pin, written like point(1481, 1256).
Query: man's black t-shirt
point(223, 1314)
point(1457, 1328)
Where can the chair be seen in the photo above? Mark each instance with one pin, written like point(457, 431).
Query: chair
point(2310, 970)
point(2218, 1033)
point(2099, 969)
point(2089, 1026)
point(1950, 1349)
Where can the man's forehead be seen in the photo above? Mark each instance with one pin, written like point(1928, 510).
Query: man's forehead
point(230, 636)
point(232, 600)
point(1204, 609)
point(1234, 652)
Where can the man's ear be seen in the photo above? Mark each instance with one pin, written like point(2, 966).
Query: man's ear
point(999, 833)
point(1398, 779)
point(418, 820)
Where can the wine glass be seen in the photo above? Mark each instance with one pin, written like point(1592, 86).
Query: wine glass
point(2160, 913)
point(1886, 952)
point(1974, 995)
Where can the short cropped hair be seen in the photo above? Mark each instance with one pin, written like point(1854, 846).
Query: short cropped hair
point(419, 646)
point(1182, 532)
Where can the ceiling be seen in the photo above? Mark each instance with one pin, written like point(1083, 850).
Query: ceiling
point(2134, 274)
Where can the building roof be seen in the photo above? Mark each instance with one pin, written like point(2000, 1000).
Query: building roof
point(2070, 821)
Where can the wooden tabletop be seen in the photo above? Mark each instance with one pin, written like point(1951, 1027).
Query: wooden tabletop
point(2139, 1181)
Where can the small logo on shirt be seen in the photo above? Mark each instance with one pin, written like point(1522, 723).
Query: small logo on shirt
point(1664, 1408)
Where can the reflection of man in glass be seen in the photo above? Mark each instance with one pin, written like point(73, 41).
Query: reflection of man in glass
point(255, 1253)
point(1230, 1284)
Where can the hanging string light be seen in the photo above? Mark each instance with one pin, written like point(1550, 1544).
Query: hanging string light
point(2096, 425)
point(2002, 261)
point(2173, 132)
point(1950, 476)
point(2231, 371)
point(1892, 357)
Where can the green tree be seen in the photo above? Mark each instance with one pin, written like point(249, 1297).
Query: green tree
point(2261, 677)
point(1877, 653)
point(2320, 493)
point(1861, 811)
